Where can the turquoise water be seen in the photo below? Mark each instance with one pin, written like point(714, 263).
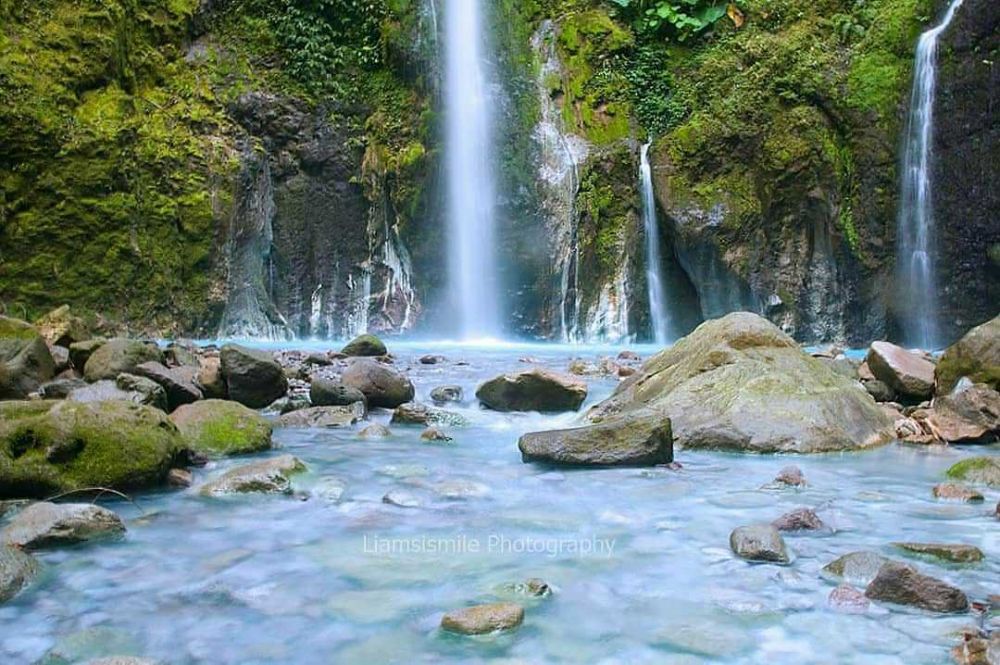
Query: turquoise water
point(272, 580)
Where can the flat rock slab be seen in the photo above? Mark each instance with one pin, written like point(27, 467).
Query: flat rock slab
point(272, 476)
point(905, 372)
point(43, 524)
point(634, 440)
point(956, 553)
point(533, 390)
point(17, 570)
point(323, 416)
point(904, 585)
point(758, 542)
point(482, 619)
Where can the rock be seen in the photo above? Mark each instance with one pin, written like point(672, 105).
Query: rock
point(117, 356)
point(969, 415)
point(458, 488)
point(635, 440)
point(209, 378)
point(879, 391)
point(330, 489)
point(534, 587)
point(122, 660)
point(434, 434)
point(61, 328)
point(858, 568)
point(61, 388)
point(43, 524)
point(444, 394)
point(105, 391)
point(849, 600)
point(146, 391)
point(47, 447)
point(976, 356)
point(252, 377)
point(323, 416)
point(290, 403)
point(218, 428)
point(381, 385)
point(432, 360)
point(60, 359)
point(324, 392)
point(979, 470)
point(182, 355)
point(629, 356)
point(482, 619)
point(25, 360)
point(415, 413)
point(270, 476)
point(375, 431)
point(955, 492)
point(179, 383)
point(80, 352)
point(17, 570)
point(364, 345)
point(790, 476)
point(800, 519)
point(401, 499)
point(906, 373)
point(759, 542)
point(903, 585)
point(976, 649)
point(739, 383)
point(180, 478)
point(955, 553)
point(533, 390)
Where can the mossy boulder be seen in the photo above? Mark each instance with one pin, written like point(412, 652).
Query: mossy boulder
point(739, 383)
point(61, 327)
point(217, 428)
point(253, 378)
point(80, 352)
point(47, 448)
point(365, 345)
point(25, 358)
point(117, 356)
point(980, 470)
point(976, 355)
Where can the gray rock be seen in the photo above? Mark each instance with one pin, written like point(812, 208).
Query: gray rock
point(432, 360)
point(790, 476)
point(758, 542)
point(272, 476)
point(108, 390)
point(17, 570)
point(904, 585)
point(179, 383)
point(80, 352)
point(533, 390)
point(252, 377)
point(150, 393)
point(364, 345)
point(324, 392)
point(879, 391)
point(117, 356)
point(375, 431)
point(381, 385)
point(323, 416)
point(800, 519)
point(976, 356)
point(906, 373)
point(60, 357)
point(181, 355)
point(482, 619)
point(849, 600)
point(445, 394)
point(61, 388)
point(633, 440)
point(415, 413)
point(858, 568)
point(43, 524)
point(25, 360)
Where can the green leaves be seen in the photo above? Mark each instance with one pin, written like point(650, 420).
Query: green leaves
point(677, 19)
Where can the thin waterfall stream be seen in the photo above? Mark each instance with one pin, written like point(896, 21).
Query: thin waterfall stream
point(659, 313)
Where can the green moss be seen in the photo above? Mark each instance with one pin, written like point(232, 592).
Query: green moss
point(221, 428)
point(985, 470)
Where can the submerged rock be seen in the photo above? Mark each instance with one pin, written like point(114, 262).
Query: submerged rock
point(758, 542)
point(976, 356)
point(401, 499)
point(533, 587)
point(955, 492)
point(907, 373)
point(119, 355)
point(272, 476)
point(415, 413)
point(43, 524)
point(956, 553)
point(364, 345)
point(739, 383)
point(790, 476)
point(858, 568)
point(326, 392)
point(980, 470)
point(848, 599)
point(25, 360)
point(434, 434)
point(445, 394)
point(323, 416)
point(253, 378)
point(903, 585)
point(382, 386)
point(217, 427)
point(533, 390)
point(482, 619)
point(17, 570)
point(375, 431)
point(636, 440)
point(800, 519)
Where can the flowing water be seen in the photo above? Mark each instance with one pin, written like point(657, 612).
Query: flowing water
point(659, 313)
point(471, 252)
point(279, 580)
point(916, 212)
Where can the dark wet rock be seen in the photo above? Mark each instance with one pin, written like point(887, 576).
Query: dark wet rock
point(43, 524)
point(61, 388)
point(849, 600)
point(401, 499)
point(432, 360)
point(434, 434)
point(25, 360)
point(80, 352)
point(375, 431)
point(180, 478)
point(61, 327)
point(17, 570)
point(415, 413)
point(210, 380)
point(955, 553)
point(533, 390)
point(956, 492)
point(907, 373)
point(635, 440)
point(976, 356)
point(364, 345)
point(800, 519)
point(318, 359)
point(217, 428)
point(60, 359)
point(445, 394)
point(326, 392)
point(252, 377)
point(272, 476)
point(979, 470)
point(482, 619)
point(790, 476)
point(117, 356)
point(904, 585)
point(148, 392)
point(51, 447)
point(970, 414)
point(879, 391)
point(630, 356)
point(739, 383)
point(858, 568)
point(323, 416)
point(381, 385)
point(179, 383)
point(758, 542)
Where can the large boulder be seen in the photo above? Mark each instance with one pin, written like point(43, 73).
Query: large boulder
point(633, 440)
point(47, 447)
point(17, 570)
point(982, 470)
point(381, 385)
point(970, 414)
point(533, 390)
point(216, 428)
point(907, 373)
point(272, 476)
point(179, 383)
point(209, 378)
point(119, 355)
point(253, 378)
point(25, 360)
point(364, 345)
point(44, 524)
point(61, 327)
point(326, 392)
point(739, 383)
point(758, 542)
point(80, 352)
point(903, 585)
point(147, 391)
point(976, 355)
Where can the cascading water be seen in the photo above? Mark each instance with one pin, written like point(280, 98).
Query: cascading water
point(916, 214)
point(658, 311)
point(472, 260)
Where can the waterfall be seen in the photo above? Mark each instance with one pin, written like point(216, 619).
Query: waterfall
point(916, 214)
point(468, 149)
point(658, 311)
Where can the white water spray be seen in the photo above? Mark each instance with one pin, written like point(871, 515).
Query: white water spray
point(658, 311)
point(916, 215)
point(472, 242)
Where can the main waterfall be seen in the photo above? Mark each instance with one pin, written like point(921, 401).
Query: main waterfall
point(915, 228)
point(472, 261)
point(659, 313)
